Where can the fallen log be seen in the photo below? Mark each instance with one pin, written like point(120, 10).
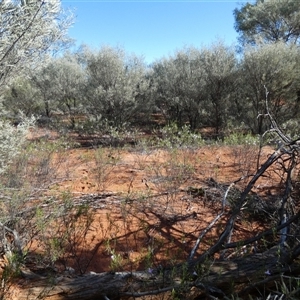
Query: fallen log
point(109, 285)
point(220, 276)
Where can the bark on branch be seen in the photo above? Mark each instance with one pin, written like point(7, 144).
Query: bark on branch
point(217, 276)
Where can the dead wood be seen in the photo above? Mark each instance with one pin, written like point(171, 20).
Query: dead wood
point(89, 286)
point(219, 276)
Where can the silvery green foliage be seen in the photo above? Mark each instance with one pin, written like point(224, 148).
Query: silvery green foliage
point(115, 82)
point(68, 78)
point(219, 64)
point(59, 84)
point(21, 95)
point(28, 30)
point(12, 140)
point(194, 85)
point(271, 66)
point(268, 21)
point(179, 82)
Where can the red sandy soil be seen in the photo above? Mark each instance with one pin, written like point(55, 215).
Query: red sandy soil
point(143, 213)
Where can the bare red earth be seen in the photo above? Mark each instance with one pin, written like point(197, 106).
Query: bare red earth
point(142, 210)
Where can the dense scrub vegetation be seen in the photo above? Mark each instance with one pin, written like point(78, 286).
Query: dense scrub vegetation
point(107, 99)
point(88, 90)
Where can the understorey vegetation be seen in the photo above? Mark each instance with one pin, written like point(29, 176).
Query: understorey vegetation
point(175, 180)
point(184, 226)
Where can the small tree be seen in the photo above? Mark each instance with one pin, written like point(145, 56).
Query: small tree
point(28, 30)
point(59, 83)
point(268, 21)
point(21, 95)
point(179, 87)
point(194, 85)
point(219, 63)
point(114, 84)
point(274, 66)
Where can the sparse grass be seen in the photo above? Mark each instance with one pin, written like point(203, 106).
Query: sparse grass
point(160, 223)
point(105, 160)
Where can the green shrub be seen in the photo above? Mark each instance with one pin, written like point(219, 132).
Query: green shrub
point(171, 136)
point(241, 139)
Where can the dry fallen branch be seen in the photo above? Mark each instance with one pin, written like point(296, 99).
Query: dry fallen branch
point(217, 276)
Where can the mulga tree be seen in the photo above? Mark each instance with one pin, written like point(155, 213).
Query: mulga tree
point(29, 29)
point(219, 64)
point(194, 85)
point(115, 84)
point(271, 66)
point(21, 96)
point(272, 27)
point(179, 88)
point(42, 79)
point(69, 79)
point(268, 21)
point(60, 83)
